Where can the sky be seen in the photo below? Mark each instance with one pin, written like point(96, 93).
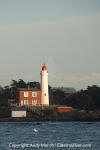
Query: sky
point(65, 34)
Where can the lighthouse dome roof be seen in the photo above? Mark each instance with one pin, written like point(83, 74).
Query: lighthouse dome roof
point(44, 67)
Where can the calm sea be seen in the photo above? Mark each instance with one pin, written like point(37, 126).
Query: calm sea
point(50, 136)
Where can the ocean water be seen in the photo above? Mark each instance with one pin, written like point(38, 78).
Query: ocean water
point(50, 135)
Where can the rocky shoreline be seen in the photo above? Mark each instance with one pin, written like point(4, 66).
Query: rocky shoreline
point(75, 115)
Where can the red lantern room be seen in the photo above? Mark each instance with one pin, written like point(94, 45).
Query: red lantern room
point(44, 68)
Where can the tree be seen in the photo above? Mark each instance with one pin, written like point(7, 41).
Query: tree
point(34, 84)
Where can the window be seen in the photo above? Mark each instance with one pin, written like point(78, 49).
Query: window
point(34, 94)
point(25, 102)
point(34, 102)
point(25, 94)
point(44, 94)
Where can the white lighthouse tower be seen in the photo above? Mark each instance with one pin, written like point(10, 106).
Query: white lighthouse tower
point(44, 86)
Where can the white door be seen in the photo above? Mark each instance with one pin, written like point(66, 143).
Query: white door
point(21, 102)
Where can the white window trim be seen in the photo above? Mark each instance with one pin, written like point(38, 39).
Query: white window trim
point(34, 94)
point(26, 102)
point(26, 94)
point(34, 102)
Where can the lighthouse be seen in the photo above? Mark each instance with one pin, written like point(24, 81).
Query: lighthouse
point(44, 86)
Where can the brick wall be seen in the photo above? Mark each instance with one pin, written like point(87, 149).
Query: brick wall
point(30, 98)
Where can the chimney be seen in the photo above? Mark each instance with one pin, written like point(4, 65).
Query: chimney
point(28, 87)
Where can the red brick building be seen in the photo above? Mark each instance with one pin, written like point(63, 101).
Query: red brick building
point(30, 96)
